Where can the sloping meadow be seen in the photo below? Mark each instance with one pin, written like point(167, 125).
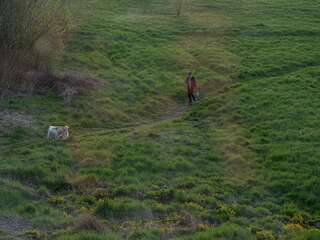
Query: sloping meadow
point(240, 164)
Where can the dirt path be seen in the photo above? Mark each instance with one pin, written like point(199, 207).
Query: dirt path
point(174, 111)
point(230, 136)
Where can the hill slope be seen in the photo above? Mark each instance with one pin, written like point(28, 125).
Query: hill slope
point(242, 163)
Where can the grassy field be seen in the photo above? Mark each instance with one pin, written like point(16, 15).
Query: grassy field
point(242, 163)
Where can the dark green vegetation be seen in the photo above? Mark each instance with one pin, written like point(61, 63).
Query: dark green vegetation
point(241, 164)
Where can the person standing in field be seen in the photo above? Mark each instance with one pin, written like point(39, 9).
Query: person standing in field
point(191, 85)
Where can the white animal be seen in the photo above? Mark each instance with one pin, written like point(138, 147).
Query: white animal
point(58, 132)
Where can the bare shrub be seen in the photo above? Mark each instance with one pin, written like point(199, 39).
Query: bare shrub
point(32, 36)
point(187, 220)
point(82, 183)
point(78, 82)
point(66, 85)
point(68, 94)
point(88, 222)
point(180, 6)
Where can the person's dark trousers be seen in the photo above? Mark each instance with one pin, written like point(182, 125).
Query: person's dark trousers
point(191, 97)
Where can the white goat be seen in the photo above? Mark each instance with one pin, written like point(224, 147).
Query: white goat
point(58, 132)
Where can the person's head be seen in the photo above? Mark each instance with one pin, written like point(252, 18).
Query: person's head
point(189, 73)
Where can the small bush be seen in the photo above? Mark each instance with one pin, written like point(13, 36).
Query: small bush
point(123, 209)
point(187, 220)
point(81, 183)
point(87, 200)
point(34, 234)
point(88, 222)
point(163, 195)
point(220, 215)
point(43, 191)
point(179, 6)
point(100, 193)
point(66, 85)
point(27, 209)
point(56, 200)
point(57, 183)
point(292, 227)
point(265, 235)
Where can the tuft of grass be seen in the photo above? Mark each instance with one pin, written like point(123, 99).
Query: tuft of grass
point(88, 222)
point(123, 209)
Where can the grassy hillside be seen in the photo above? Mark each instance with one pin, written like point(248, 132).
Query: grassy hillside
point(242, 163)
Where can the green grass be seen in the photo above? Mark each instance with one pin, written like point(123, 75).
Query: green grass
point(240, 164)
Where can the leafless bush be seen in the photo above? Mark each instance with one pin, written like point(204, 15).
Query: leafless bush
point(88, 222)
point(69, 86)
point(65, 85)
point(68, 94)
point(179, 6)
point(32, 36)
point(80, 83)
point(82, 184)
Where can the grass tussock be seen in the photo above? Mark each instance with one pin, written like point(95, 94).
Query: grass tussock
point(88, 222)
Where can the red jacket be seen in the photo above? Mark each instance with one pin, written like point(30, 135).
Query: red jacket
point(191, 84)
